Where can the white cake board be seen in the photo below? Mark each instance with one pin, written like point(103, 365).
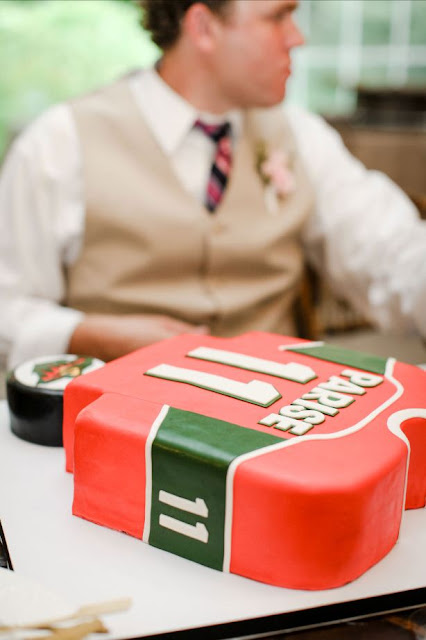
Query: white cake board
point(83, 562)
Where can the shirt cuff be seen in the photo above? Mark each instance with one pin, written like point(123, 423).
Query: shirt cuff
point(47, 333)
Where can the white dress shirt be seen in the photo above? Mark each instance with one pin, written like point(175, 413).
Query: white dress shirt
point(365, 235)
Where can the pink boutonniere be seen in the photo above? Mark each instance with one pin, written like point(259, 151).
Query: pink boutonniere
point(276, 174)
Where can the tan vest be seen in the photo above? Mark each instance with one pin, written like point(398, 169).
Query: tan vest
point(149, 246)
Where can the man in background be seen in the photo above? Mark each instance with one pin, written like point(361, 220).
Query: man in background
point(184, 198)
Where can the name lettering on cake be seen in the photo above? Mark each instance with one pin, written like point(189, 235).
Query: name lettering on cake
point(289, 371)
point(326, 399)
point(255, 391)
point(299, 417)
point(197, 507)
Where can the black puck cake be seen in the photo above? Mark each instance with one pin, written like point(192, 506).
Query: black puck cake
point(35, 395)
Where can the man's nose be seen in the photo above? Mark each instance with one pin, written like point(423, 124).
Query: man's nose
point(294, 36)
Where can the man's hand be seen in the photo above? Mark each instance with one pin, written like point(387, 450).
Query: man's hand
point(108, 336)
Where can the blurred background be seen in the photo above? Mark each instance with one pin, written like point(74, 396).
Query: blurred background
point(363, 67)
point(53, 49)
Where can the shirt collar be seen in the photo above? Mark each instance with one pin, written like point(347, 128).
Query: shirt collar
point(169, 116)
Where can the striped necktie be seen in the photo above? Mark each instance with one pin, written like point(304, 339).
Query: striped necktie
point(221, 136)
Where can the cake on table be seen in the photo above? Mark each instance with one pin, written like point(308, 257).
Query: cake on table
point(285, 461)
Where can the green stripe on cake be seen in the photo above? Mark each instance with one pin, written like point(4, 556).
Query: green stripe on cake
point(191, 454)
point(356, 359)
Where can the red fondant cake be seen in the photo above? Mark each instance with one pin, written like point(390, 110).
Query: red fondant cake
point(285, 461)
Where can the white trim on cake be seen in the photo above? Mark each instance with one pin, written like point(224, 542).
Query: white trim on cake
point(293, 441)
point(394, 426)
point(309, 344)
point(148, 469)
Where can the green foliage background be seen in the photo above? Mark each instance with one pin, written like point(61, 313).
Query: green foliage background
point(53, 49)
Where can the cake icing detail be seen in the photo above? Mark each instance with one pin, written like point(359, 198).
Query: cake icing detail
point(50, 371)
point(197, 506)
point(231, 483)
point(255, 391)
point(289, 371)
point(395, 424)
point(54, 372)
point(190, 457)
point(299, 417)
point(332, 353)
point(334, 399)
point(148, 469)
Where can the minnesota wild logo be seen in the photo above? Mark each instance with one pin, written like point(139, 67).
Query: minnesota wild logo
point(58, 369)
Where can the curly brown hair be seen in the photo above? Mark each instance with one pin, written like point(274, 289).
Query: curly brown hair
point(163, 17)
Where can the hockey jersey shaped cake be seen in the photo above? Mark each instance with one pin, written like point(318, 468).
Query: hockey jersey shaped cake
point(286, 461)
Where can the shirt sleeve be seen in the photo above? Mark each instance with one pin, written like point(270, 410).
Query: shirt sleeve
point(365, 236)
point(41, 226)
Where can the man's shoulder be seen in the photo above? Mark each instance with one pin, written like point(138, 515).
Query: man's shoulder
point(301, 117)
point(285, 122)
point(106, 91)
point(309, 129)
point(51, 124)
point(296, 116)
point(58, 117)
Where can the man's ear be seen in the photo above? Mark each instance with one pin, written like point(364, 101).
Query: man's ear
point(200, 25)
